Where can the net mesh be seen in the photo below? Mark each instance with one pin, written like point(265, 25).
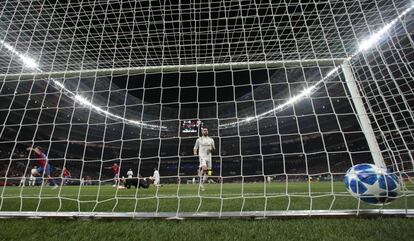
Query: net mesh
point(132, 83)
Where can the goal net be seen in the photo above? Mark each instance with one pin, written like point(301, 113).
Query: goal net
point(97, 97)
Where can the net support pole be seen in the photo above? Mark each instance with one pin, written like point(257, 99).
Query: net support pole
point(362, 115)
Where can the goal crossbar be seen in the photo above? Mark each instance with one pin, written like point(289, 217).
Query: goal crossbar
point(174, 68)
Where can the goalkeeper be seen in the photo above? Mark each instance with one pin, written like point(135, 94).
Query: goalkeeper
point(204, 145)
point(140, 182)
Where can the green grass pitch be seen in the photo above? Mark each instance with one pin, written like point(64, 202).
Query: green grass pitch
point(187, 198)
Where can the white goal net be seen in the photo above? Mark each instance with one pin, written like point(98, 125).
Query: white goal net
point(97, 97)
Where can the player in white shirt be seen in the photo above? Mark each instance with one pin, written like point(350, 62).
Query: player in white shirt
point(130, 173)
point(32, 179)
point(156, 177)
point(269, 179)
point(204, 145)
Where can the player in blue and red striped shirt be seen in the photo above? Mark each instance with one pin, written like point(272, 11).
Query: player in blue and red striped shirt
point(44, 165)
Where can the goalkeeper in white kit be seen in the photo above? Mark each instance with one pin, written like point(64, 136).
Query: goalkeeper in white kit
point(204, 145)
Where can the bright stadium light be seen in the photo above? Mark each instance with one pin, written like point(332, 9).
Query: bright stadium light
point(31, 63)
point(60, 85)
point(27, 61)
point(376, 37)
point(305, 93)
point(249, 119)
point(82, 100)
point(365, 45)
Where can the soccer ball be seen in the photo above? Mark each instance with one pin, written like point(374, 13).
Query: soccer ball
point(372, 184)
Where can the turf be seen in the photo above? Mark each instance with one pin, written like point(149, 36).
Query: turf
point(187, 198)
point(228, 229)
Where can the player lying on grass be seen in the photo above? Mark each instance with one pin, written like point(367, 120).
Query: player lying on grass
point(141, 182)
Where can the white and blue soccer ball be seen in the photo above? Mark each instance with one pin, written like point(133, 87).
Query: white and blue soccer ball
point(372, 184)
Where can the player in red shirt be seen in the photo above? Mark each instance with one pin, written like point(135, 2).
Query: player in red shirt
point(44, 165)
point(65, 176)
point(115, 169)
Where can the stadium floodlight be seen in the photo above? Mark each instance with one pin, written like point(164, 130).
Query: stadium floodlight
point(364, 45)
point(305, 93)
point(372, 40)
point(31, 63)
point(59, 84)
point(28, 62)
point(82, 100)
point(380, 34)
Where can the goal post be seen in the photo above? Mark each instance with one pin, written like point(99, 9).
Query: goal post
point(362, 116)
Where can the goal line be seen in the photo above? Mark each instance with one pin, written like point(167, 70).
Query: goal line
point(214, 215)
